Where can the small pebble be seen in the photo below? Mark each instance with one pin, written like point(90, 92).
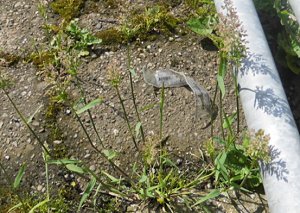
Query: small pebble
point(39, 188)
point(35, 123)
point(92, 168)
point(57, 142)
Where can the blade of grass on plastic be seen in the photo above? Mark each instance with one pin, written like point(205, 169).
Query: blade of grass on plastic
point(87, 192)
point(19, 176)
point(89, 105)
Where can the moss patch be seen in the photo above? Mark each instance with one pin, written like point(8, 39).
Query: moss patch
point(67, 9)
point(143, 24)
point(111, 36)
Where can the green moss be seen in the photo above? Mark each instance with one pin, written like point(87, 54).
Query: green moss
point(202, 7)
point(60, 150)
point(67, 9)
point(143, 24)
point(153, 20)
point(111, 36)
point(8, 59)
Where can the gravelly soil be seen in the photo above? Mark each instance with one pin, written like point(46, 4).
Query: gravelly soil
point(20, 29)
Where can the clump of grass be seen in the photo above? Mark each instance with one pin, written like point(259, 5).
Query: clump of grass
point(67, 9)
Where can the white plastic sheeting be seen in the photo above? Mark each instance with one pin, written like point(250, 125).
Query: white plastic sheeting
point(266, 107)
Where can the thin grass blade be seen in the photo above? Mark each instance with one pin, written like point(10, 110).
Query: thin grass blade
point(89, 105)
point(87, 192)
point(19, 176)
point(75, 168)
point(39, 205)
point(211, 195)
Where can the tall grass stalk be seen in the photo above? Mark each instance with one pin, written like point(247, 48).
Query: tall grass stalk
point(221, 115)
point(237, 98)
point(126, 116)
point(161, 110)
point(132, 93)
point(45, 156)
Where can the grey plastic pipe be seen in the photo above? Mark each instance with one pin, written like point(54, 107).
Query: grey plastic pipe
point(266, 107)
point(295, 4)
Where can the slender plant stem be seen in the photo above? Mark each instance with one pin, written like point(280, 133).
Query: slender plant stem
point(213, 104)
point(161, 110)
point(25, 122)
point(126, 116)
point(47, 174)
point(91, 143)
point(89, 112)
point(221, 116)
point(237, 100)
point(132, 94)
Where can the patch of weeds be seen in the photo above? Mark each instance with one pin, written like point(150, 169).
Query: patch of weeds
point(8, 59)
point(236, 162)
point(42, 59)
point(204, 21)
point(67, 9)
point(56, 204)
point(82, 38)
